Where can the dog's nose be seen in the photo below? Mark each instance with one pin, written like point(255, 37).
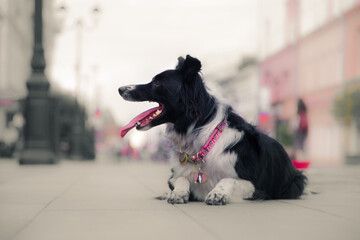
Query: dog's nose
point(123, 89)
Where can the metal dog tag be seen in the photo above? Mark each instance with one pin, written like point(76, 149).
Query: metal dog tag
point(183, 158)
point(200, 177)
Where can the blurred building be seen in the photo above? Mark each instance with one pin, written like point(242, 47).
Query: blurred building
point(106, 130)
point(16, 48)
point(240, 87)
point(278, 74)
point(352, 44)
point(319, 78)
point(16, 43)
point(317, 61)
point(16, 51)
point(351, 72)
point(299, 19)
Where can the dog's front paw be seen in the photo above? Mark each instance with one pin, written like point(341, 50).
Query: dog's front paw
point(216, 198)
point(178, 197)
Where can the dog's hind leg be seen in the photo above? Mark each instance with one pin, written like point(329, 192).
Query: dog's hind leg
point(181, 192)
point(229, 189)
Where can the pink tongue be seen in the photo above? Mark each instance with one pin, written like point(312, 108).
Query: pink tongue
point(124, 130)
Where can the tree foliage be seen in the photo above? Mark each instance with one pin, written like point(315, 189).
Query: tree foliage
point(347, 106)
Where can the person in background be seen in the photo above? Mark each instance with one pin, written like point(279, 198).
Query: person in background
point(301, 131)
point(8, 140)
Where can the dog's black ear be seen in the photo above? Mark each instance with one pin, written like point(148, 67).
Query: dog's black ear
point(190, 67)
point(180, 63)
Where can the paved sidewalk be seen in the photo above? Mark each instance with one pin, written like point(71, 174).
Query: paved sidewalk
point(108, 200)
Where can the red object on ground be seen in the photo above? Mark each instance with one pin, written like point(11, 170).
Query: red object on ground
point(301, 165)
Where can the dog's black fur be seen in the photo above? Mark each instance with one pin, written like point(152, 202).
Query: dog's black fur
point(186, 102)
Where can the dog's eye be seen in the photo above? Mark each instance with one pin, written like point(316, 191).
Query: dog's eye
point(156, 84)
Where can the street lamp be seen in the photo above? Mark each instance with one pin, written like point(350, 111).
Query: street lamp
point(38, 147)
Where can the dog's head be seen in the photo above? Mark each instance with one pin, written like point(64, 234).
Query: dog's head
point(180, 93)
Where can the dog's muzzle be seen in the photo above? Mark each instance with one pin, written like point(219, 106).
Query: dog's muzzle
point(124, 91)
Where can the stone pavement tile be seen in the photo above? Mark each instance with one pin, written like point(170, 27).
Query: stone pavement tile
point(115, 187)
point(112, 199)
point(28, 190)
point(83, 200)
point(110, 192)
point(9, 169)
point(156, 179)
point(38, 184)
point(269, 220)
point(339, 179)
point(123, 224)
point(345, 205)
point(339, 192)
point(13, 217)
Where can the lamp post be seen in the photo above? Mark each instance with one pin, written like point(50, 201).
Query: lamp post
point(38, 147)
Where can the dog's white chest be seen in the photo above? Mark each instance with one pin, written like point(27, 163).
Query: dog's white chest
point(215, 168)
point(217, 164)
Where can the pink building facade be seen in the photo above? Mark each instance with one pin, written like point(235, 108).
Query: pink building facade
point(320, 66)
point(278, 74)
point(316, 68)
point(352, 44)
point(352, 75)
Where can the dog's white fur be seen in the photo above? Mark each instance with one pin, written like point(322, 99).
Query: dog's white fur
point(227, 188)
point(222, 179)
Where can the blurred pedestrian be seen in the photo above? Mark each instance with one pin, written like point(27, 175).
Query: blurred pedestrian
point(8, 140)
point(301, 131)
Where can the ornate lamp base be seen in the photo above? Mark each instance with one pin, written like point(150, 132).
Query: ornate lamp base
point(37, 156)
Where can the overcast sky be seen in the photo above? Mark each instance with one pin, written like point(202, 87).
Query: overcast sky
point(136, 39)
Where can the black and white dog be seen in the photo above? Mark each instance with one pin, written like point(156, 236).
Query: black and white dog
point(221, 156)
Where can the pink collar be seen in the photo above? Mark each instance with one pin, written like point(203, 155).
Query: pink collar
point(199, 156)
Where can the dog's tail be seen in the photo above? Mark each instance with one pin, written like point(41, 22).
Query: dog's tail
point(259, 195)
point(293, 190)
point(296, 187)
